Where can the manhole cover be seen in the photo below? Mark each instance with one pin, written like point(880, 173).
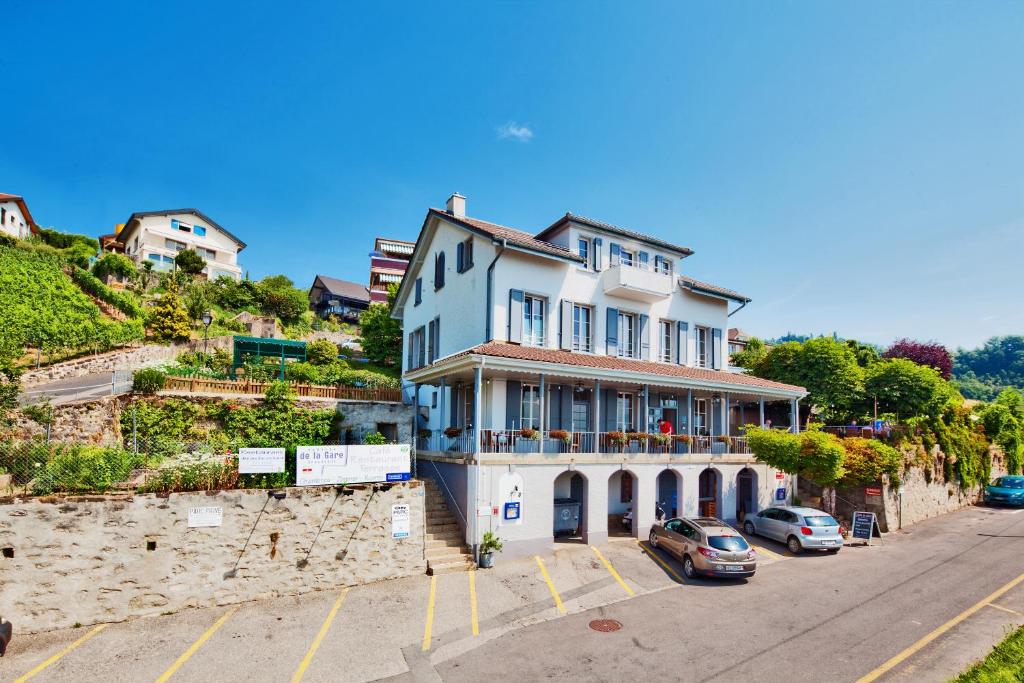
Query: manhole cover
point(605, 625)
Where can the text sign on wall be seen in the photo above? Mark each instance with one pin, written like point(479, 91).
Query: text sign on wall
point(872, 491)
point(400, 518)
point(260, 460)
point(328, 465)
point(205, 517)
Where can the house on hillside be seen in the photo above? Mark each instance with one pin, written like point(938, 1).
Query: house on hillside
point(15, 219)
point(158, 236)
point(388, 262)
point(542, 361)
point(330, 296)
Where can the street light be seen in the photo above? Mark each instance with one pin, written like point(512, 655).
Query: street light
point(207, 319)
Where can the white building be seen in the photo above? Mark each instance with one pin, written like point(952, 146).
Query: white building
point(534, 354)
point(15, 219)
point(158, 236)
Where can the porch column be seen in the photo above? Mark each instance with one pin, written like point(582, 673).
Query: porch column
point(543, 408)
point(441, 402)
point(478, 395)
point(743, 414)
point(645, 495)
point(725, 414)
point(689, 411)
point(761, 423)
point(415, 424)
point(794, 417)
point(597, 417)
point(647, 408)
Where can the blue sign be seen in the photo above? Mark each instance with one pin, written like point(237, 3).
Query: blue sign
point(512, 511)
point(780, 493)
point(399, 476)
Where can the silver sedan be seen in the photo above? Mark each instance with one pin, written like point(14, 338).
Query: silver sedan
point(800, 528)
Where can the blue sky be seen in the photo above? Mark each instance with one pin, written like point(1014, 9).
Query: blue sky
point(852, 167)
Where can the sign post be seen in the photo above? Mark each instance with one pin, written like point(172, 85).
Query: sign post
point(865, 527)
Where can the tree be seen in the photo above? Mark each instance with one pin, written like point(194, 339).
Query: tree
point(815, 455)
point(189, 261)
point(750, 356)
point(279, 297)
point(867, 460)
point(929, 354)
point(998, 364)
point(381, 335)
point(866, 354)
point(235, 295)
point(114, 264)
point(195, 301)
point(825, 367)
point(908, 389)
point(321, 352)
point(169, 320)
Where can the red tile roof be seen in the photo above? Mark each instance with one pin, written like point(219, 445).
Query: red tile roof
point(515, 237)
point(533, 353)
point(614, 229)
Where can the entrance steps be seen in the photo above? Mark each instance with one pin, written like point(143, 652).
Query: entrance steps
point(446, 549)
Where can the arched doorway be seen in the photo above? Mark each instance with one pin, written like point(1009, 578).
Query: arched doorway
point(670, 493)
point(709, 493)
point(621, 498)
point(746, 493)
point(570, 501)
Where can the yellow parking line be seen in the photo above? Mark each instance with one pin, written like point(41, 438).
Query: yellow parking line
point(664, 565)
point(472, 604)
point(194, 647)
point(308, 659)
point(898, 659)
point(770, 553)
point(611, 570)
point(1005, 609)
point(551, 586)
point(429, 628)
point(60, 654)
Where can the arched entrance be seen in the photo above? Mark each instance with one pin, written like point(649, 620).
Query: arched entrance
point(670, 493)
point(621, 498)
point(746, 493)
point(570, 501)
point(709, 492)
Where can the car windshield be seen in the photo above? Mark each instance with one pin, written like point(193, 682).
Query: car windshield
point(1007, 483)
point(727, 543)
point(820, 520)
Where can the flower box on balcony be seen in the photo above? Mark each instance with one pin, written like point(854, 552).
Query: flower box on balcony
point(453, 432)
point(560, 435)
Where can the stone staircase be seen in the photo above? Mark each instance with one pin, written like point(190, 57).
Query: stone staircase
point(446, 549)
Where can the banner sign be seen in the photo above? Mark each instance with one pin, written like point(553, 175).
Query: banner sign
point(331, 465)
point(400, 518)
point(260, 460)
point(206, 516)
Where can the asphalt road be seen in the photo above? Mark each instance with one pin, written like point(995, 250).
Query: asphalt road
point(76, 388)
point(806, 617)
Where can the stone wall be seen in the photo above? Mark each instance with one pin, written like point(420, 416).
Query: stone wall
point(95, 559)
point(95, 422)
point(364, 416)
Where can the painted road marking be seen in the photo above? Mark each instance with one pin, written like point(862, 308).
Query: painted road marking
point(551, 586)
point(611, 570)
point(664, 565)
point(60, 654)
point(428, 629)
point(770, 553)
point(1005, 609)
point(324, 628)
point(194, 647)
point(472, 604)
point(893, 662)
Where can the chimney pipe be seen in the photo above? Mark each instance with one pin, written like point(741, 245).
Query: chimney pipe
point(456, 205)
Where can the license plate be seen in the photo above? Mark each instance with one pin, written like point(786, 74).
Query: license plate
point(733, 568)
point(828, 542)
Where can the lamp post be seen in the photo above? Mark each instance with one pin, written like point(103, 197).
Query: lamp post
point(207, 319)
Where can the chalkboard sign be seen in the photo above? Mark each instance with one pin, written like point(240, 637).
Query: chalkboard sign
point(865, 525)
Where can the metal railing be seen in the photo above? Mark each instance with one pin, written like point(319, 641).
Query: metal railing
point(218, 386)
point(557, 441)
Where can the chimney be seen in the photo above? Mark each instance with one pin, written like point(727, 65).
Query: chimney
point(456, 205)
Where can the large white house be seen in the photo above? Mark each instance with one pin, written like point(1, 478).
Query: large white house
point(158, 236)
point(15, 219)
point(534, 354)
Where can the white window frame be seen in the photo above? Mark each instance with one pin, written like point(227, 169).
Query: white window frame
point(700, 417)
point(582, 331)
point(583, 249)
point(665, 339)
point(529, 408)
point(534, 311)
point(701, 336)
point(627, 257)
point(624, 413)
point(663, 265)
point(627, 350)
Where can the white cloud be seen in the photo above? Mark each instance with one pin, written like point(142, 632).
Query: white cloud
point(514, 131)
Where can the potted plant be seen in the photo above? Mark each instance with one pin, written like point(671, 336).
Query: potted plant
point(681, 438)
point(560, 435)
point(490, 545)
point(530, 433)
point(727, 440)
point(616, 438)
point(452, 432)
point(660, 440)
point(423, 433)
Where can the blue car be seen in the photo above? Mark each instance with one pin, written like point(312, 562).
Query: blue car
point(1006, 491)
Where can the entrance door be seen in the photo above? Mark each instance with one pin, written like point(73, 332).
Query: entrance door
point(581, 416)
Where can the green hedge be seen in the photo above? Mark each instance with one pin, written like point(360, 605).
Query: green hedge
point(91, 284)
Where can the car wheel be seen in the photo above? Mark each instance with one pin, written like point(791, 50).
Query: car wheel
point(653, 539)
point(748, 528)
point(688, 569)
point(793, 543)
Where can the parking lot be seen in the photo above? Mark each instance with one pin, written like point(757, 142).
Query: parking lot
point(530, 618)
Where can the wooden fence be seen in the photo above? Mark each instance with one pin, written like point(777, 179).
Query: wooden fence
point(227, 386)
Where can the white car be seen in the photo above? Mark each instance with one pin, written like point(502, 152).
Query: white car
point(799, 528)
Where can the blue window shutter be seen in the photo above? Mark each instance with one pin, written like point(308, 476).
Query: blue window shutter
point(419, 291)
point(431, 350)
point(644, 258)
point(513, 404)
point(598, 255)
point(682, 339)
point(645, 337)
point(716, 349)
point(515, 315)
point(608, 409)
point(565, 328)
point(612, 332)
point(459, 256)
point(614, 260)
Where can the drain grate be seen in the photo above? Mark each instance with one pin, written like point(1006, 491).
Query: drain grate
point(605, 625)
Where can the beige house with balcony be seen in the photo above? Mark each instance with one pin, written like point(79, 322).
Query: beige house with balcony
point(158, 236)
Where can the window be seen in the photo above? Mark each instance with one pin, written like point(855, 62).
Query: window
point(627, 335)
point(207, 254)
point(662, 265)
point(153, 257)
point(417, 348)
point(626, 257)
point(533, 320)
point(174, 244)
point(439, 271)
point(433, 399)
point(702, 346)
point(199, 230)
point(182, 227)
point(581, 316)
point(583, 249)
point(419, 291)
point(665, 336)
point(728, 543)
point(700, 417)
point(624, 412)
point(530, 407)
point(464, 255)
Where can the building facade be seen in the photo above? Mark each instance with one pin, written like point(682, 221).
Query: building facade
point(15, 219)
point(330, 296)
point(158, 236)
point(388, 262)
point(577, 363)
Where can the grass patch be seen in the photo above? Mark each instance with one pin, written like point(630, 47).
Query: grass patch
point(1004, 664)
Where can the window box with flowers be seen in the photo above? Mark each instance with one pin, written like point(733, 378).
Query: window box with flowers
point(681, 443)
point(616, 439)
point(661, 441)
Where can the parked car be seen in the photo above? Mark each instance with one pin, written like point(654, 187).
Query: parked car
point(1006, 491)
point(800, 528)
point(707, 546)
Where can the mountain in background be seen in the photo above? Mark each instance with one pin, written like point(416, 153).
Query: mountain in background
point(982, 373)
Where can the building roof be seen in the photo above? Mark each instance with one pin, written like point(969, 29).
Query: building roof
point(514, 237)
point(343, 288)
point(20, 201)
point(614, 229)
point(533, 353)
point(134, 218)
point(699, 287)
point(395, 246)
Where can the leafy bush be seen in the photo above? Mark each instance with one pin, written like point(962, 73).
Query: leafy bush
point(866, 460)
point(375, 439)
point(84, 469)
point(148, 381)
point(321, 352)
point(197, 476)
point(117, 265)
point(816, 455)
point(67, 240)
point(169, 320)
point(279, 297)
point(380, 334)
point(189, 261)
point(91, 284)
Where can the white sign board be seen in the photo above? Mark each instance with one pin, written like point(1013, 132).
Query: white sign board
point(400, 518)
point(202, 517)
point(329, 465)
point(510, 491)
point(260, 460)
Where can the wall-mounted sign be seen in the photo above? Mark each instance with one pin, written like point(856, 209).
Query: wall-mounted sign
point(872, 491)
point(400, 520)
point(780, 493)
point(511, 492)
point(205, 517)
point(780, 475)
point(329, 465)
point(260, 460)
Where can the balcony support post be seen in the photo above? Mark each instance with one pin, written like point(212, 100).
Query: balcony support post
point(597, 415)
point(761, 406)
point(541, 421)
point(443, 417)
point(478, 410)
point(689, 412)
point(645, 415)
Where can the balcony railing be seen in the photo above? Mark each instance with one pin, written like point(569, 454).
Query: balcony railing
point(528, 441)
